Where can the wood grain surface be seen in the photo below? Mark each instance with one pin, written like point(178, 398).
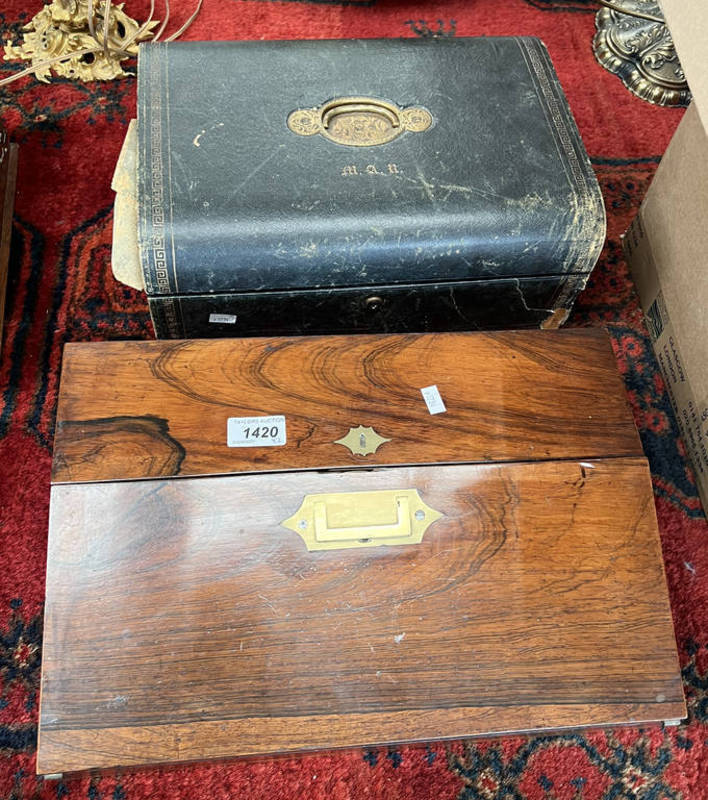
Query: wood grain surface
point(148, 409)
point(184, 622)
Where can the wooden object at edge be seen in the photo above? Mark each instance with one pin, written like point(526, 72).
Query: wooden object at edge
point(208, 630)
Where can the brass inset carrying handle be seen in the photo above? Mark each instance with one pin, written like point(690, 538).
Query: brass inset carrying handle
point(353, 106)
point(365, 533)
point(359, 121)
point(362, 519)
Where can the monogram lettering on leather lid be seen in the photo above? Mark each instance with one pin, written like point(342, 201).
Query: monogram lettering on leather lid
point(359, 121)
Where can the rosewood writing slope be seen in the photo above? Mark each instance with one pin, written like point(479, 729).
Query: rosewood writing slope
point(272, 545)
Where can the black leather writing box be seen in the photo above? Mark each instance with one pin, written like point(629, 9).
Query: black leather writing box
point(360, 185)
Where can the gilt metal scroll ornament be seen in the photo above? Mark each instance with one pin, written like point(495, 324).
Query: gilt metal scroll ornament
point(359, 121)
point(641, 52)
point(62, 28)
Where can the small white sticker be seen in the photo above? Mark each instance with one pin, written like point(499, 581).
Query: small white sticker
point(224, 319)
point(255, 431)
point(432, 398)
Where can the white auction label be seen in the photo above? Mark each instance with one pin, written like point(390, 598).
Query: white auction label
point(255, 431)
point(433, 400)
point(223, 319)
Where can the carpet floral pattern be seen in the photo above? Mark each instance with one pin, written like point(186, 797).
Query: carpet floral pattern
point(61, 290)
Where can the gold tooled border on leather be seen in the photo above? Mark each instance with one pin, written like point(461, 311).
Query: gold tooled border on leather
point(593, 225)
point(159, 246)
point(154, 108)
point(556, 116)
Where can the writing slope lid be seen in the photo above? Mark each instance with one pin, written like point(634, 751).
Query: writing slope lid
point(158, 409)
point(208, 629)
point(432, 601)
point(485, 176)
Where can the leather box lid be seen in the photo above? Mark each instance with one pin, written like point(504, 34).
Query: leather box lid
point(155, 409)
point(231, 199)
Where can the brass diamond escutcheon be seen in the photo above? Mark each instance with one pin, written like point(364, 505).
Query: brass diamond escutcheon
point(362, 441)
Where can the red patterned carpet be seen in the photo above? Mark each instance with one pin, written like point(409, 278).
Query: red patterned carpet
point(61, 290)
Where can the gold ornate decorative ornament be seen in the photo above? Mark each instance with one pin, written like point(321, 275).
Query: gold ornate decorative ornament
point(359, 121)
point(634, 43)
point(341, 520)
point(62, 28)
point(362, 441)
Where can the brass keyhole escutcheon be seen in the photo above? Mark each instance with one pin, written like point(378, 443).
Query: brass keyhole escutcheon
point(362, 441)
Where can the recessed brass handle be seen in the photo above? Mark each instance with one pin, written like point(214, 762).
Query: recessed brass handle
point(362, 519)
point(336, 107)
point(364, 533)
point(359, 121)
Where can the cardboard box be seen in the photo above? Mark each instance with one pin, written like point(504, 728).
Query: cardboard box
point(667, 245)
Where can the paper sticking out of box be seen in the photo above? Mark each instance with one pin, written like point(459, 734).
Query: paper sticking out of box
point(125, 259)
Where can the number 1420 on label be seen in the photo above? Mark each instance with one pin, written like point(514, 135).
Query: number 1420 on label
point(255, 431)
